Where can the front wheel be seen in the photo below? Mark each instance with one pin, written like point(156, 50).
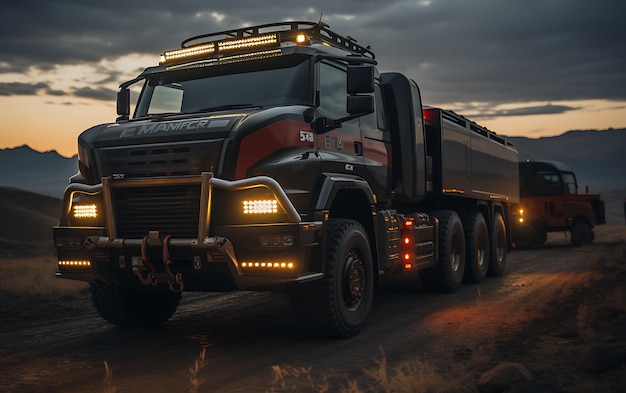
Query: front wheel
point(340, 303)
point(133, 308)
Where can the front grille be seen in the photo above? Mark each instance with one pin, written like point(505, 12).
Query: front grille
point(171, 210)
point(170, 159)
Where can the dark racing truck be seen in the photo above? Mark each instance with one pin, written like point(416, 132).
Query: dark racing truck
point(277, 157)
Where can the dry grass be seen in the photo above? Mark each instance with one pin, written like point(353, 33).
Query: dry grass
point(35, 276)
point(195, 381)
point(584, 326)
point(194, 372)
point(109, 386)
point(414, 376)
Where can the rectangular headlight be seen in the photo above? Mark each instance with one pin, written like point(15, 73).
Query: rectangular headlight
point(260, 206)
point(85, 210)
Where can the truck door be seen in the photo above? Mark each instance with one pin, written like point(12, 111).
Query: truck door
point(340, 145)
point(551, 185)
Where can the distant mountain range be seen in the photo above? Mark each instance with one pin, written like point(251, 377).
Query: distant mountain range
point(597, 157)
point(45, 173)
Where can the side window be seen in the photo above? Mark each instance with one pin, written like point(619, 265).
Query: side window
point(373, 124)
point(570, 183)
point(333, 89)
point(380, 110)
point(549, 183)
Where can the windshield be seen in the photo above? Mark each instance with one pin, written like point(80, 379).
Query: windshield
point(269, 82)
point(570, 183)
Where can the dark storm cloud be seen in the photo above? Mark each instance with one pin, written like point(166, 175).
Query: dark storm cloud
point(494, 51)
point(21, 89)
point(526, 111)
point(100, 93)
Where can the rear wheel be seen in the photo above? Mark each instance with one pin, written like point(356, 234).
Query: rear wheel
point(498, 243)
point(133, 308)
point(339, 304)
point(447, 274)
point(581, 233)
point(477, 252)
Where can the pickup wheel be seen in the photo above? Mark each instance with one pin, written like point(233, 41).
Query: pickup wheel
point(339, 304)
point(529, 236)
point(581, 233)
point(477, 251)
point(497, 253)
point(133, 308)
point(447, 274)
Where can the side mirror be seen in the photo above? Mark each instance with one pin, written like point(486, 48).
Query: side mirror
point(360, 79)
point(360, 85)
point(360, 105)
point(123, 103)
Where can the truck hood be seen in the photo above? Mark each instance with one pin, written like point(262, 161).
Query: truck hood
point(160, 129)
point(175, 145)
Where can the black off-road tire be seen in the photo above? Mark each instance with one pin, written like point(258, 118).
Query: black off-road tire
point(498, 247)
point(447, 275)
point(581, 233)
point(529, 237)
point(133, 308)
point(477, 248)
point(339, 304)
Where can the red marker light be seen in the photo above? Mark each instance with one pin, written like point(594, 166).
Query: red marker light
point(429, 115)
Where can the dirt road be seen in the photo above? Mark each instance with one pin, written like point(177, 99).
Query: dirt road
point(56, 342)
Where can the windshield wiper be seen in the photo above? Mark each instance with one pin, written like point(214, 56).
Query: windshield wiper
point(227, 107)
point(157, 116)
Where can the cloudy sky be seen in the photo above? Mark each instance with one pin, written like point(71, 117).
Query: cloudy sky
point(520, 67)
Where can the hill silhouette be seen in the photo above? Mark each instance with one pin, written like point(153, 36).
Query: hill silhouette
point(26, 220)
point(45, 173)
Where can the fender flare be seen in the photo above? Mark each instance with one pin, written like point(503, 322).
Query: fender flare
point(335, 182)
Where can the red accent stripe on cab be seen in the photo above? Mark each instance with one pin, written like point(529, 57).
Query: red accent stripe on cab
point(268, 140)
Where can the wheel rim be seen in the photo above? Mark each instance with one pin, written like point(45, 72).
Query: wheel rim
point(500, 246)
point(455, 253)
point(354, 280)
point(481, 249)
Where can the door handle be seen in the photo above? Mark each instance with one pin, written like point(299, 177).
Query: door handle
point(358, 148)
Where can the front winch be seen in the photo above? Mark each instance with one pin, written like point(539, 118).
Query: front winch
point(174, 281)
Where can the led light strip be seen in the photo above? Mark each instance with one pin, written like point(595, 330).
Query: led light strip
point(268, 265)
point(75, 263)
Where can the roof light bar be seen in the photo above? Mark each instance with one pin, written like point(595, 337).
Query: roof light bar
point(192, 51)
point(244, 43)
point(204, 50)
point(269, 36)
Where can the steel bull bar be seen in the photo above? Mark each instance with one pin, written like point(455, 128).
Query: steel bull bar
point(203, 242)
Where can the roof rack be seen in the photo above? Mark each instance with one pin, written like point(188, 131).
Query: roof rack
point(316, 31)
